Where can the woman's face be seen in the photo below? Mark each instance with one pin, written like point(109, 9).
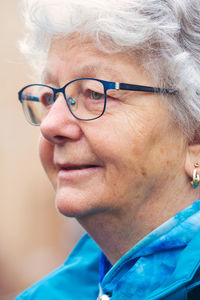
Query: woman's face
point(114, 164)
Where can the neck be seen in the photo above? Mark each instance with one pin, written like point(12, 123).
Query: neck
point(117, 233)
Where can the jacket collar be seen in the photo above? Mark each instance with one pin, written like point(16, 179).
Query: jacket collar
point(155, 265)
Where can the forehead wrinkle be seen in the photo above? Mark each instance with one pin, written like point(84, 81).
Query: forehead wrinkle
point(96, 70)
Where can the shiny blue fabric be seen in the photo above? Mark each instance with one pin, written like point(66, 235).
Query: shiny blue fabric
point(161, 266)
point(151, 262)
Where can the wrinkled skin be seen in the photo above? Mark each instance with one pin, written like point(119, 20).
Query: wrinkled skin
point(140, 178)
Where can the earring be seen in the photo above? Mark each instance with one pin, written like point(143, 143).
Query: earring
point(196, 178)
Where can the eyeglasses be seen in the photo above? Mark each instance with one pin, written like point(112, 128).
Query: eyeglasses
point(86, 98)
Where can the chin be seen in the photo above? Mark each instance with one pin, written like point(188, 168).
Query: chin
point(75, 207)
point(69, 211)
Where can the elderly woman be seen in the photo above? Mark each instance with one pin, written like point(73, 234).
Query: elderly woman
point(119, 112)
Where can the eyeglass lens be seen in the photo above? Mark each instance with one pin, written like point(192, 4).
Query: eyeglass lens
point(85, 99)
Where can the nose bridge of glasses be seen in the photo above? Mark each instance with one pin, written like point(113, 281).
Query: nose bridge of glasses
point(59, 91)
point(68, 101)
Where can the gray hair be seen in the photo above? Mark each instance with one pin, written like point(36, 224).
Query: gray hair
point(165, 34)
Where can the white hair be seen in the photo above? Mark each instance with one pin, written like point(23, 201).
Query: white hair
point(165, 33)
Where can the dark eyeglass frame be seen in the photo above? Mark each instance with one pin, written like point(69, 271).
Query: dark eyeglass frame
point(108, 85)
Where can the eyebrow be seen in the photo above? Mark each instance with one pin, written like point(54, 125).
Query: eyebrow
point(97, 69)
point(94, 70)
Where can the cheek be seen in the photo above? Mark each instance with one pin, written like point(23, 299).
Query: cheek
point(136, 145)
point(121, 148)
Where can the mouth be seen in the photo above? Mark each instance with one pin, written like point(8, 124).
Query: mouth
point(71, 167)
point(76, 172)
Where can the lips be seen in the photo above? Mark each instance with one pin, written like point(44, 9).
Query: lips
point(70, 167)
point(76, 173)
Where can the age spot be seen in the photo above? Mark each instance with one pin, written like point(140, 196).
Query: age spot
point(143, 171)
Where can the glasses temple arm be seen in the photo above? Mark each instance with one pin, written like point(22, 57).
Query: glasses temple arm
point(142, 88)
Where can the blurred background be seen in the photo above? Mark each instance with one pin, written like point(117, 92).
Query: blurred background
point(34, 237)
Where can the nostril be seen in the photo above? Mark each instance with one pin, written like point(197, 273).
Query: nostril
point(59, 139)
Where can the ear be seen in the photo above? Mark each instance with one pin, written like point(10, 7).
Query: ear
point(192, 157)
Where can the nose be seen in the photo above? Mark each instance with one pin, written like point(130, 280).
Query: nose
point(59, 125)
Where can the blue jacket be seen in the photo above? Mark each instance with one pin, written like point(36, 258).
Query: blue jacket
point(164, 265)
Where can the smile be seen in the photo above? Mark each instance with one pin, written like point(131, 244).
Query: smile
point(75, 173)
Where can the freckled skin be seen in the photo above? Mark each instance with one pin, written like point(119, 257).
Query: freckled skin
point(140, 150)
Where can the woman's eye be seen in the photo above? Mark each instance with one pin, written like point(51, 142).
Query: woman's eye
point(97, 96)
point(47, 99)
